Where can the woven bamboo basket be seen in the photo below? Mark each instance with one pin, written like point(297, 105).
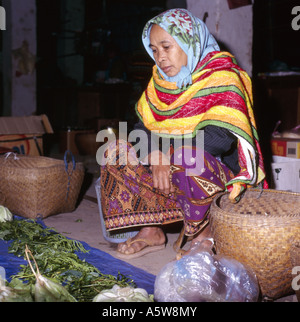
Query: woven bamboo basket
point(260, 231)
point(34, 187)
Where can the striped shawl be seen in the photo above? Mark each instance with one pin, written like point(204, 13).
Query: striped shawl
point(221, 95)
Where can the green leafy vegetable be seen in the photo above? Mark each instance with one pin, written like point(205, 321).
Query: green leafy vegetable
point(57, 261)
point(46, 290)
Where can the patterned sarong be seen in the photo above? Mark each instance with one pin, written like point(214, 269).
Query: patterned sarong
point(129, 199)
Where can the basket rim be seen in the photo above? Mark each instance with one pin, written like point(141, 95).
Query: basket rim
point(52, 162)
point(273, 191)
point(244, 215)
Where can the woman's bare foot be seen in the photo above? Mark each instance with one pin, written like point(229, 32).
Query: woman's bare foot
point(153, 235)
point(204, 234)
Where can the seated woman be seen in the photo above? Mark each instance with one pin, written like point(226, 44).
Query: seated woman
point(194, 87)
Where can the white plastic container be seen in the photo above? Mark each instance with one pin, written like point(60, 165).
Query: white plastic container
point(111, 237)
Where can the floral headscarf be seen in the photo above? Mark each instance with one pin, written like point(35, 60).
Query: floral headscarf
point(192, 36)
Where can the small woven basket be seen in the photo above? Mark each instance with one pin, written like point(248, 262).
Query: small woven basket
point(34, 187)
point(260, 231)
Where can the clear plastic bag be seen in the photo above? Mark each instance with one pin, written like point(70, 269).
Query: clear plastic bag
point(202, 276)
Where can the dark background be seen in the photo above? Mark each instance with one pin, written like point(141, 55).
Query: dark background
point(117, 26)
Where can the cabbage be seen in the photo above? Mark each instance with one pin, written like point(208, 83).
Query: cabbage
point(123, 294)
point(8, 294)
point(5, 214)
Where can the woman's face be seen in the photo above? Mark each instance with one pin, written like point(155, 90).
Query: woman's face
point(168, 55)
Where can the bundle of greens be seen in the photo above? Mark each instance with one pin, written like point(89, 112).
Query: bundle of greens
point(46, 290)
point(57, 261)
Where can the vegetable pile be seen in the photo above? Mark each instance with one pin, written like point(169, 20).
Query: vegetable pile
point(59, 274)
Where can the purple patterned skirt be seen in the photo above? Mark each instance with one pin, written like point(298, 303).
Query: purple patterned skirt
point(129, 199)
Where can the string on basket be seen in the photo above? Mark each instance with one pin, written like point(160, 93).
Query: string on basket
point(260, 185)
point(69, 172)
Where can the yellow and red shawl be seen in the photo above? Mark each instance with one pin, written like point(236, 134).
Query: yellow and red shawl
point(221, 95)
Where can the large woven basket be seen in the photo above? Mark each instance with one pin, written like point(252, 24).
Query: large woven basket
point(260, 231)
point(34, 187)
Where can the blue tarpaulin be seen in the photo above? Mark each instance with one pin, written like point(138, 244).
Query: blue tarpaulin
point(106, 264)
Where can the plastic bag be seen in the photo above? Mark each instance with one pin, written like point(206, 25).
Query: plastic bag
point(202, 276)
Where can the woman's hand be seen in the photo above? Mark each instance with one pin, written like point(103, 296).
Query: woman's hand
point(161, 173)
point(162, 178)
